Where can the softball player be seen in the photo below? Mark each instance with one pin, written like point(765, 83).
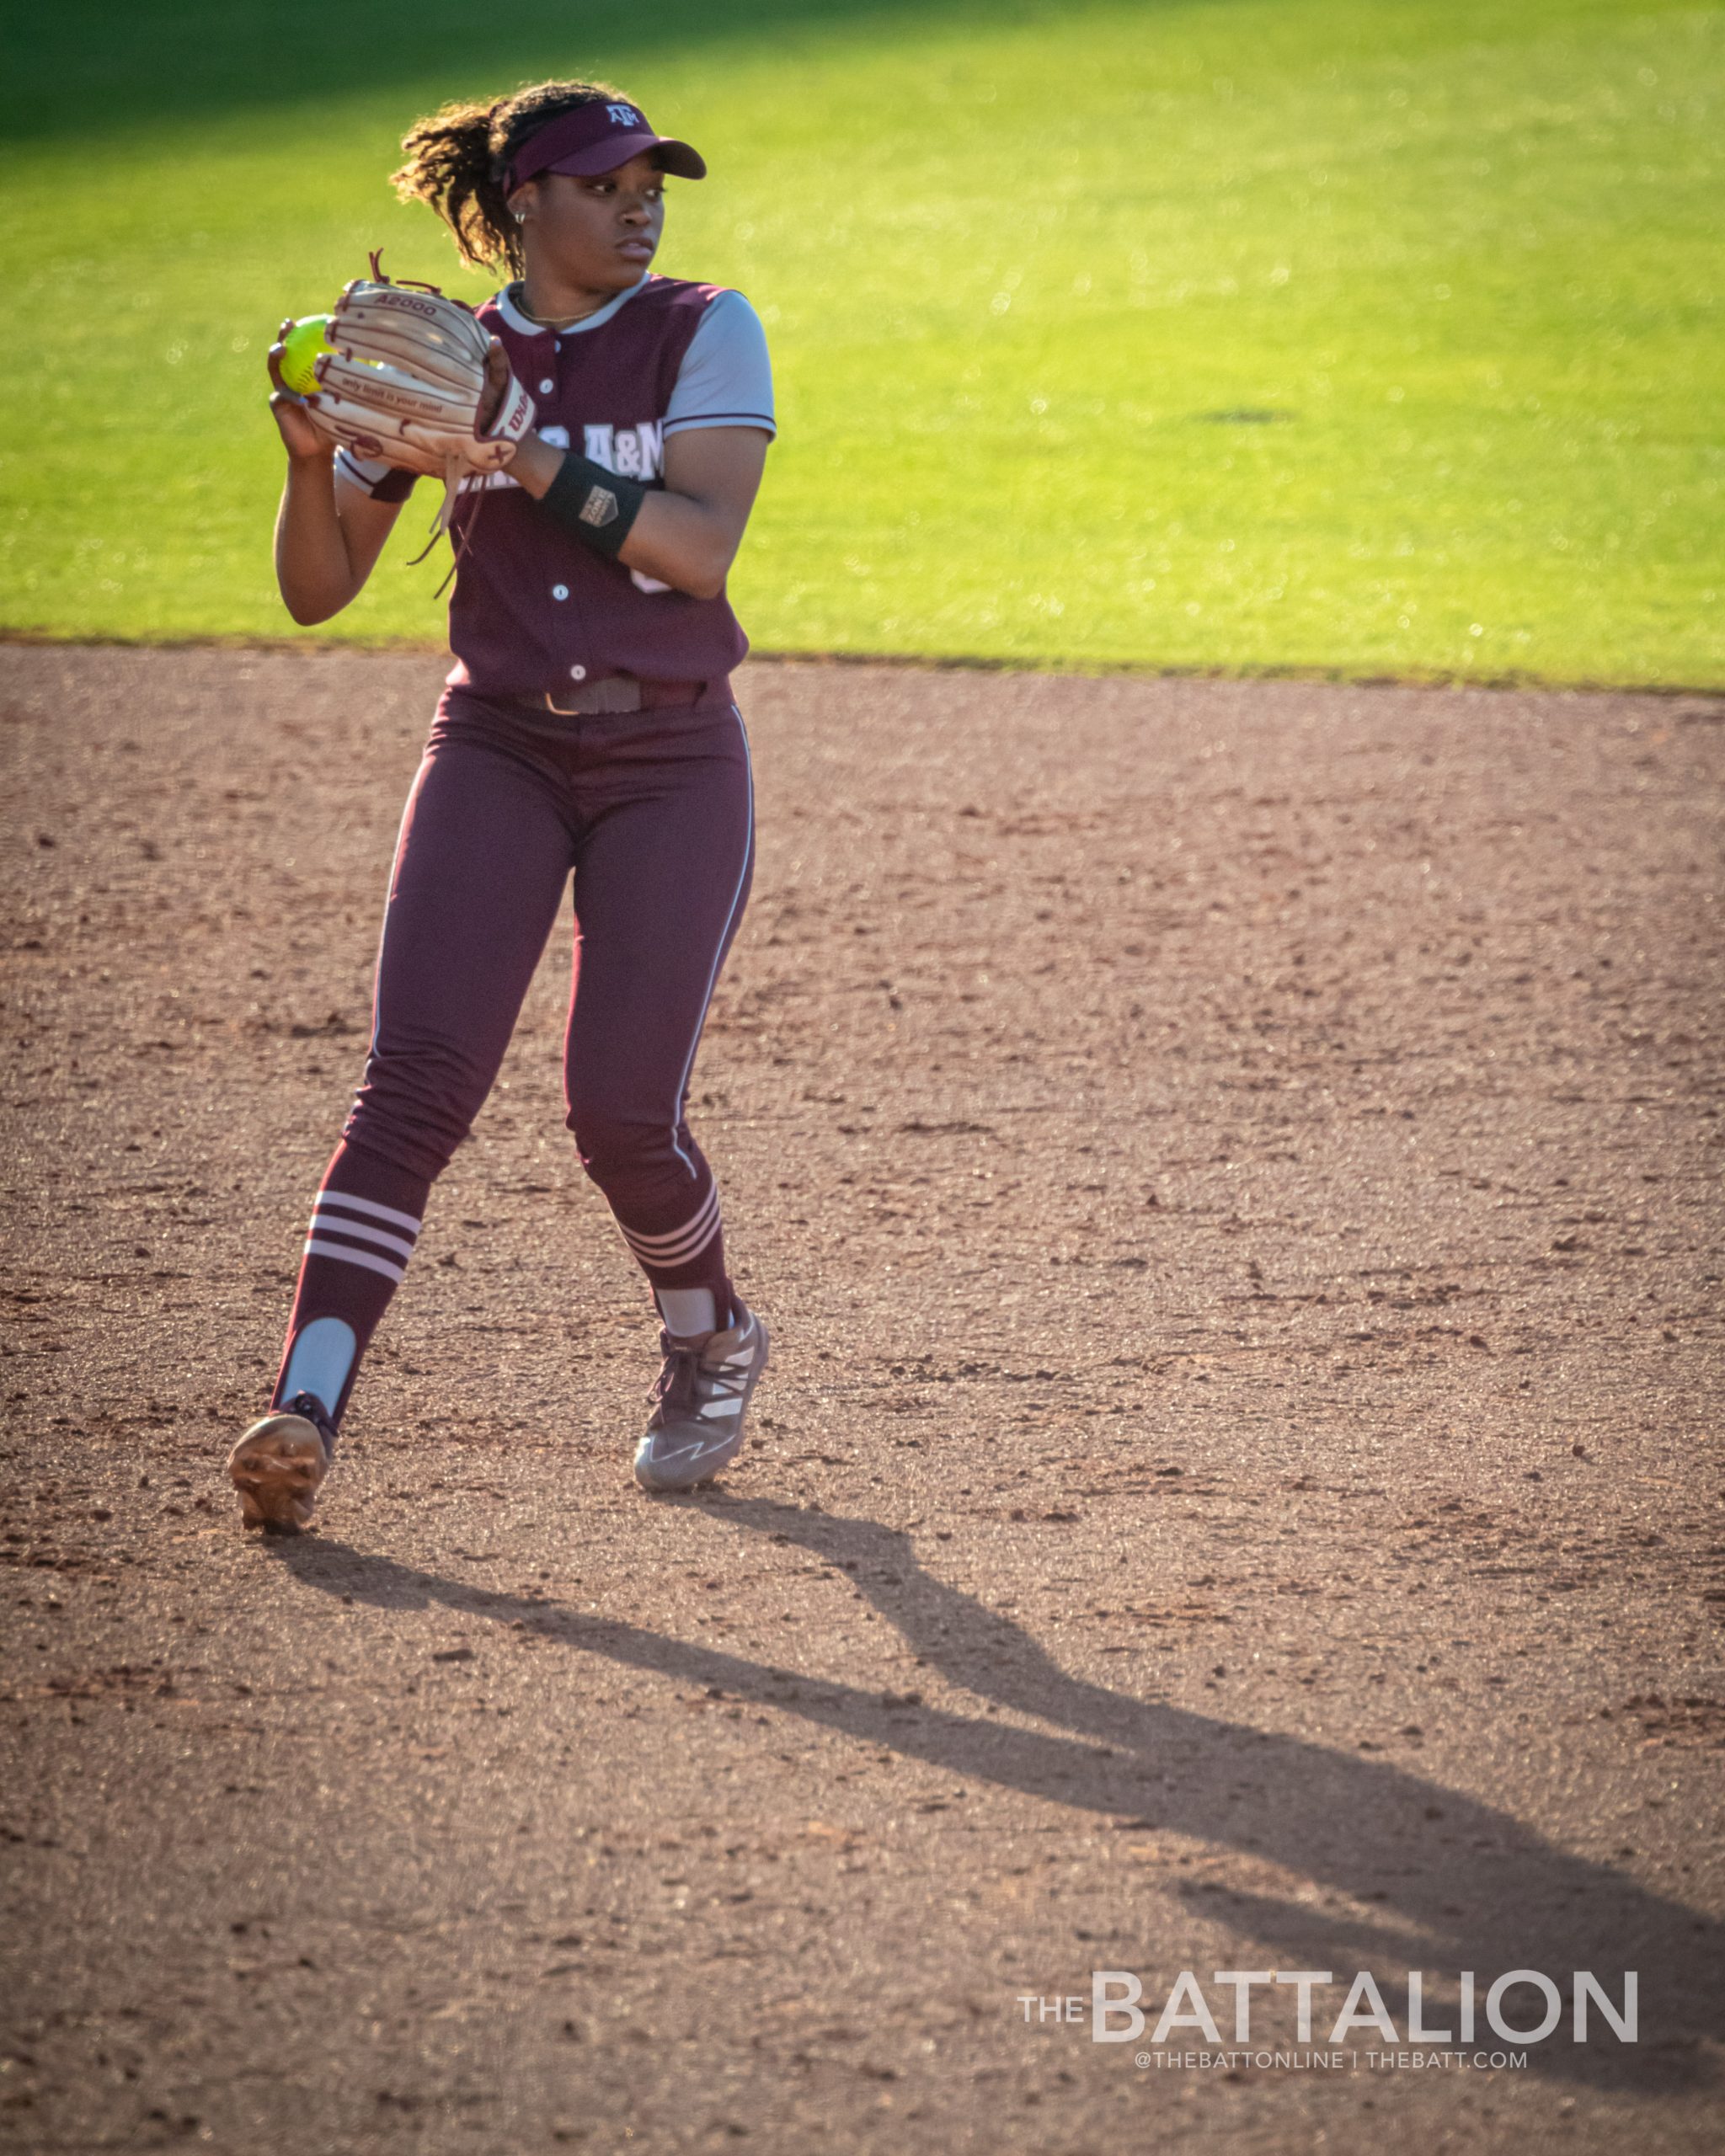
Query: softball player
point(587, 725)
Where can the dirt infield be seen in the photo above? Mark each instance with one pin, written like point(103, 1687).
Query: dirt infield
point(1232, 1169)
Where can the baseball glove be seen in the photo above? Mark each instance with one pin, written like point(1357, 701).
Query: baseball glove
point(407, 382)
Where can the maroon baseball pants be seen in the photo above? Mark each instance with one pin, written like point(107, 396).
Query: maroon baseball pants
point(653, 812)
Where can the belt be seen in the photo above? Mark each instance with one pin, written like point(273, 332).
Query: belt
point(615, 692)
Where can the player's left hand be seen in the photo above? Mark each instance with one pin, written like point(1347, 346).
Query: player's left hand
point(498, 375)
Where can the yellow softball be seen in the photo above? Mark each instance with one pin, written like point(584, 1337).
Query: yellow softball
point(300, 346)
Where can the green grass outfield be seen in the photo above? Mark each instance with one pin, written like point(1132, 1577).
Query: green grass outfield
point(1371, 337)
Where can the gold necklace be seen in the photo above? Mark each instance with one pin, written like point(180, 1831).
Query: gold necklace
point(517, 292)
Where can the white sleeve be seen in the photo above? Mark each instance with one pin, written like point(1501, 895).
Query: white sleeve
point(384, 482)
point(726, 377)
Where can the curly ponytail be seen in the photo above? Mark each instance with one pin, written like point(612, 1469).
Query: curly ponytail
point(456, 160)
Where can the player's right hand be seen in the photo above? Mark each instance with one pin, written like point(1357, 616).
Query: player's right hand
point(294, 423)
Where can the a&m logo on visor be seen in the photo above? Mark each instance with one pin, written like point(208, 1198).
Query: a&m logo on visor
point(624, 116)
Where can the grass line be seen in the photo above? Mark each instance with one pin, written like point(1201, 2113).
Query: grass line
point(311, 643)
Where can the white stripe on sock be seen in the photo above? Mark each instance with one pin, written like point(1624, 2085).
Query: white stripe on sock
point(315, 1247)
point(374, 1211)
point(641, 1241)
point(320, 1219)
point(666, 1261)
point(679, 1253)
point(688, 1245)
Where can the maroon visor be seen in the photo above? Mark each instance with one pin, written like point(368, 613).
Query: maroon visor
point(598, 138)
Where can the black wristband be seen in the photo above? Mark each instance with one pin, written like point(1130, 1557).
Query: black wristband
point(594, 505)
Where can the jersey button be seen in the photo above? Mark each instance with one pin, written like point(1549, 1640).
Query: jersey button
point(578, 673)
point(559, 591)
point(547, 386)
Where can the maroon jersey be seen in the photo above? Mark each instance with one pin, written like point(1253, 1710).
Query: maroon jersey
point(534, 610)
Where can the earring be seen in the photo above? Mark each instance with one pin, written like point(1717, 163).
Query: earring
point(520, 216)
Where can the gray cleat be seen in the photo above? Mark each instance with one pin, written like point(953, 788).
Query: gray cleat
point(700, 1402)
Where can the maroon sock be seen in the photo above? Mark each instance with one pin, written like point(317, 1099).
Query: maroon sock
point(687, 1252)
point(364, 1226)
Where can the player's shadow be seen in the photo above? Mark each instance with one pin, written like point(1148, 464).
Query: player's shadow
point(1438, 1881)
